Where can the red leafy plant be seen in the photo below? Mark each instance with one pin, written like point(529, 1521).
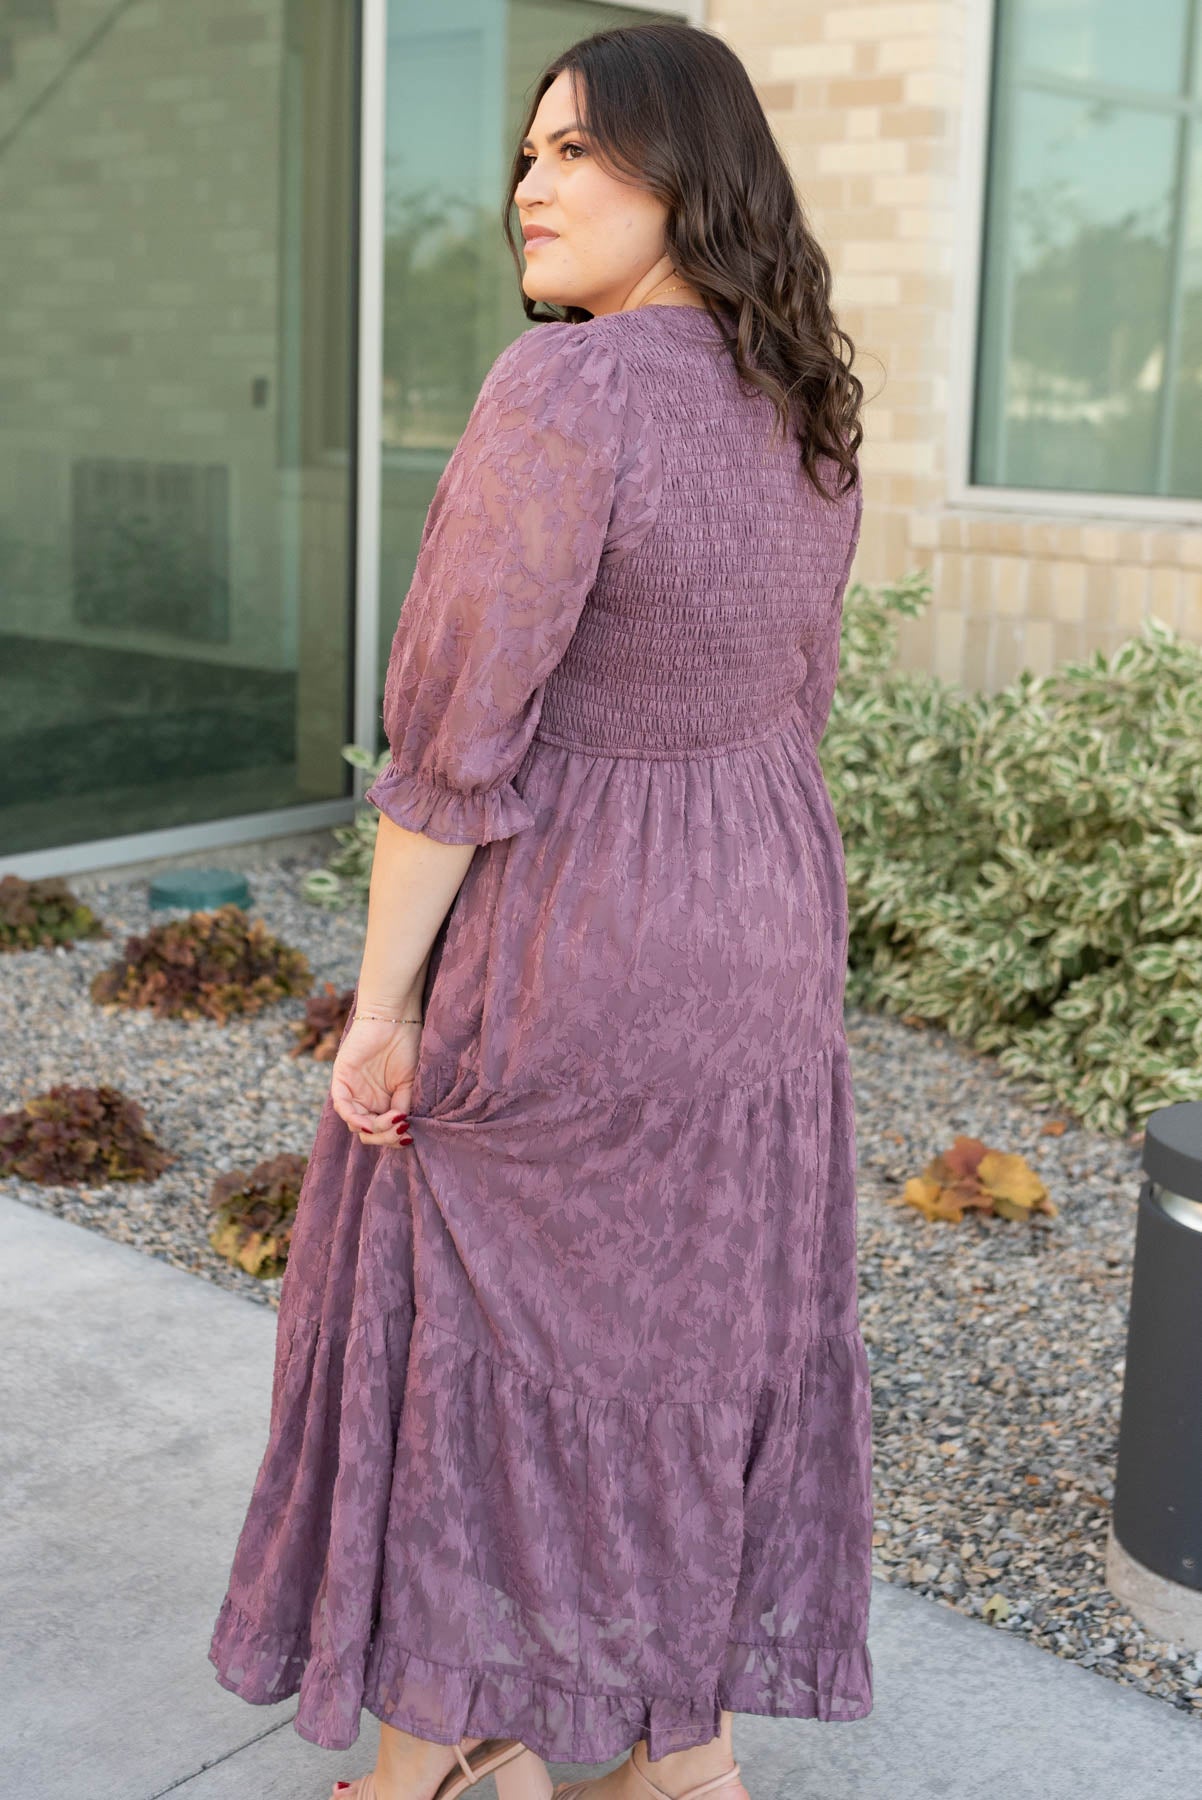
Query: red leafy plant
point(321, 1029)
point(970, 1177)
point(80, 1134)
point(255, 1211)
point(208, 965)
point(42, 914)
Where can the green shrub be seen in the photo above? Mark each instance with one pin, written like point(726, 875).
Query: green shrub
point(256, 1210)
point(43, 913)
point(208, 965)
point(80, 1134)
point(346, 878)
point(1025, 868)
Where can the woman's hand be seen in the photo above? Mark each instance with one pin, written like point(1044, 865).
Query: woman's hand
point(372, 1078)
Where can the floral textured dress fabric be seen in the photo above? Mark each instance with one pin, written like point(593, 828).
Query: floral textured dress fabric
point(570, 1420)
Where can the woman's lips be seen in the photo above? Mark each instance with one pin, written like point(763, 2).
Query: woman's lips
point(540, 237)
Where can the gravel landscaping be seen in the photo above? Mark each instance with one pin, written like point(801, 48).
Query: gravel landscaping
point(996, 1348)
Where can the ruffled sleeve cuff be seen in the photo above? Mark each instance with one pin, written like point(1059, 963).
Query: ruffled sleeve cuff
point(446, 814)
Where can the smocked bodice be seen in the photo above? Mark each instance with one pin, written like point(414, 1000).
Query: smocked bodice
point(698, 638)
point(619, 558)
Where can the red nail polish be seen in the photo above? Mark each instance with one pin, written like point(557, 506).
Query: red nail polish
point(406, 1140)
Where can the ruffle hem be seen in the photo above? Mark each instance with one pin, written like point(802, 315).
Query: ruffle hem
point(373, 1524)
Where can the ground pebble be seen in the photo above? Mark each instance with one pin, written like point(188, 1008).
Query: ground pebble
point(996, 1348)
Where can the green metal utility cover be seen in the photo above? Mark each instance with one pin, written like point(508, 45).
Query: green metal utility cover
point(200, 890)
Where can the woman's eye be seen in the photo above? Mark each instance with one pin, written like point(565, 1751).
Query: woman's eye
point(526, 159)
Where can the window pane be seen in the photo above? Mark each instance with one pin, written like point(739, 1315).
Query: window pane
point(176, 294)
point(1076, 295)
point(1119, 42)
point(1186, 475)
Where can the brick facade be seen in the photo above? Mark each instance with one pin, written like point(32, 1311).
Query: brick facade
point(875, 109)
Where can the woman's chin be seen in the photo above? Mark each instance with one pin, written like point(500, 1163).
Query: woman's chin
point(545, 289)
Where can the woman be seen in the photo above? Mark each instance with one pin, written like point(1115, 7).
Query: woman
point(570, 1436)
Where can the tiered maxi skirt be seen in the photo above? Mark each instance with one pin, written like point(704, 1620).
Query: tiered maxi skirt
point(570, 1427)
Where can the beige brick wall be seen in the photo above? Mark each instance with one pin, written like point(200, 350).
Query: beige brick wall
point(870, 101)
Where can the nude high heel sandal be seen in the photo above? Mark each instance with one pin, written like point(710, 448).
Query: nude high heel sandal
point(726, 1786)
point(525, 1777)
point(519, 1774)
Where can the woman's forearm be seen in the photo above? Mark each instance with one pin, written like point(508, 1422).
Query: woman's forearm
point(414, 880)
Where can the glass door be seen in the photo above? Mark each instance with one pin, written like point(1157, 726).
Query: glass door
point(178, 192)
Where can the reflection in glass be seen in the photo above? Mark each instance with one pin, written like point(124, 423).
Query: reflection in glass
point(459, 78)
point(1089, 366)
point(1186, 451)
point(1105, 41)
point(177, 187)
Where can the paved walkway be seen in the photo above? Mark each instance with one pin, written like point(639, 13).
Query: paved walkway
point(133, 1414)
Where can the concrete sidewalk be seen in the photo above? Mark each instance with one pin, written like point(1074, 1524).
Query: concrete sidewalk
point(135, 1408)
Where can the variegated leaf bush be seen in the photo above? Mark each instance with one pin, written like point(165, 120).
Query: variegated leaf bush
point(1025, 868)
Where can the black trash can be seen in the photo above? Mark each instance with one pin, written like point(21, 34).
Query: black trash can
point(1157, 1512)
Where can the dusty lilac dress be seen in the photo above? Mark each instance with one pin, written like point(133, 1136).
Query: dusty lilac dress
point(570, 1423)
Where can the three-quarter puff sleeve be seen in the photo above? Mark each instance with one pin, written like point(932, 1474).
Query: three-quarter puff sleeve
point(508, 554)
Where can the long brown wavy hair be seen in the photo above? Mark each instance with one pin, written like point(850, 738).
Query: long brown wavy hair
point(671, 106)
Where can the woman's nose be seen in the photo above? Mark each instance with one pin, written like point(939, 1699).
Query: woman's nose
point(532, 186)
